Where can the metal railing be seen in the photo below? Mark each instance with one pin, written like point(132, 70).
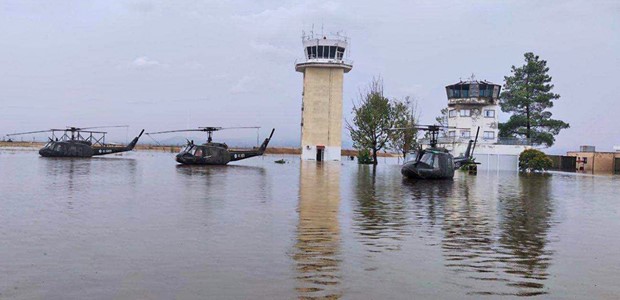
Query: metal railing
point(455, 140)
point(513, 141)
point(324, 60)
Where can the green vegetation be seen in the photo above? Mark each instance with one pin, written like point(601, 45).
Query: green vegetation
point(527, 94)
point(363, 157)
point(405, 118)
point(373, 116)
point(534, 160)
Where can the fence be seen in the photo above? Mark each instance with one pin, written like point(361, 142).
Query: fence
point(497, 162)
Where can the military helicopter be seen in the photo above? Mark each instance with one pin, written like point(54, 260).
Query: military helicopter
point(80, 142)
point(435, 162)
point(212, 153)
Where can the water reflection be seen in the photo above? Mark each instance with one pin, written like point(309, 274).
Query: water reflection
point(380, 213)
point(64, 172)
point(526, 219)
point(428, 200)
point(503, 250)
point(317, 251)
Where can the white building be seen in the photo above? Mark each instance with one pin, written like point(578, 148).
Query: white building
point(323, 66)
point(473, 104)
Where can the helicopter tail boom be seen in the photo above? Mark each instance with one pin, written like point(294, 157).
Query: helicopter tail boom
point(108, 150)
point(263, 147)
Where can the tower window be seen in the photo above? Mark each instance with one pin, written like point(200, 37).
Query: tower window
point(311, 52)
point(465, 113)
point(465, 133)
point(489, 113)
point(452, 113)
point(332, 51)
point(339, 53)
point(451, 133)
point(486, 91)
point(488, 135)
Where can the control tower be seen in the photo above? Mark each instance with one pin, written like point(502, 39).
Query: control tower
point(323, 67)
point(471, 104)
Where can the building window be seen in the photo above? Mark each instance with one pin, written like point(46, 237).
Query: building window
point(451, 133)
point(452, 113)
point(488, 135)
point(465, 134)
point(489, 113)
point(465, 113)
point(339, 53)
point(311, 52)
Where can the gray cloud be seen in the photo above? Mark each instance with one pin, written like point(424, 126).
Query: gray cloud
point(235, 59)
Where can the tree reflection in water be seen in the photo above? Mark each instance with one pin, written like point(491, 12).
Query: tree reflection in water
point(507, 250)
point(380, 212)
point(317, 251)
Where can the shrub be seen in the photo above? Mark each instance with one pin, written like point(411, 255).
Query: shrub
point(534, 160)
point(364, 158)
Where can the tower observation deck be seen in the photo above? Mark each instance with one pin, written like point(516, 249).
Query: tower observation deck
point(323, 66)
point(473, 104)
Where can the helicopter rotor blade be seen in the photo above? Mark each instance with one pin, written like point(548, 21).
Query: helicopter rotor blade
point(202, 129)
point(170, 131)
point(79, 130)
point(95, 127)
point(240, 127)
point(29, 132)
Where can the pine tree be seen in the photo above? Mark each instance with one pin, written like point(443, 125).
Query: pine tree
point(527, 94)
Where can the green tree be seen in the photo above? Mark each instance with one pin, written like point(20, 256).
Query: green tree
point(442, 119)
point(534, 160)
point(527, 94)
point(363, 157)
point(372, 119)
point(405, 118)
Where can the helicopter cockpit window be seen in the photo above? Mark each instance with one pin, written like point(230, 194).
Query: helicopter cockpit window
point(428, 158)
point(198, 152)
point(187, 148)
point(58, 147)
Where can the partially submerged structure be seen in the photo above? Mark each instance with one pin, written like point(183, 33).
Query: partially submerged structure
point(323, 66)
point(473, 104)
point(588, 160)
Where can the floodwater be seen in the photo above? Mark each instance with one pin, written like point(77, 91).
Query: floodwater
point(138, 226)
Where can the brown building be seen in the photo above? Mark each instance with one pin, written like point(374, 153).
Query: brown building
point(590, 161)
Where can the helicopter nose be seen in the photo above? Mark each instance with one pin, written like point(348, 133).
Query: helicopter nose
point(183, 157)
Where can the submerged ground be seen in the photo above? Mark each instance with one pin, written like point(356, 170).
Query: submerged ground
point(138, 226)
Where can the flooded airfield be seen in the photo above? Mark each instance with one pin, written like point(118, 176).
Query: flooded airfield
point(139, 226)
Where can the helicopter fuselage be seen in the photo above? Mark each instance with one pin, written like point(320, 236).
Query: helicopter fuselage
point(82, 148)
point(432, 163)
point(213, 154)
point(217, 153)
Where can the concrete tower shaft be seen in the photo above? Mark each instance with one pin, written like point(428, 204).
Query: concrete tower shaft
point(323, 67)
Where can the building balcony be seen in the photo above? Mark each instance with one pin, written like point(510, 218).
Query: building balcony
point(471, 101)
point(301, 64)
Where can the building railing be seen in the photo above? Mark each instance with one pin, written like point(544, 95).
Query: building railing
point(456, 140)
point(324, 60)
point(514, 141)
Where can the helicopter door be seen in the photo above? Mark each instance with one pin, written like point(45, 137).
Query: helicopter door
point(320, 150)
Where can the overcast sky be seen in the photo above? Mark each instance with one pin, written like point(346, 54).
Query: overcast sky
point(172, 64)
